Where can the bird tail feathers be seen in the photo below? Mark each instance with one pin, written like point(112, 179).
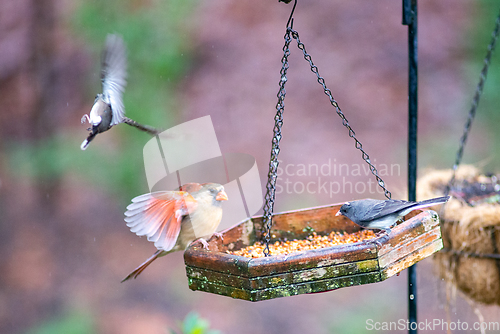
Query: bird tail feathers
point(430, 202)
point(143, 266)
point(87, 141)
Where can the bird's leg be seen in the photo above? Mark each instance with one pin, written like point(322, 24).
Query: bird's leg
point(219, 235)
point(385, 231)
point(85, 118)
point(378, 235)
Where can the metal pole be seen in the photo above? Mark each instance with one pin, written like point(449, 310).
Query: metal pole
point(410, 19)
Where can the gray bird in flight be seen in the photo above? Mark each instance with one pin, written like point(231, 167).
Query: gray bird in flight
point(108, 107)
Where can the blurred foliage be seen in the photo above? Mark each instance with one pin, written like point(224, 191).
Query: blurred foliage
point(194, 324)
point(439, 150)
point(80, 323)
point(74, 323)
point(157, 36)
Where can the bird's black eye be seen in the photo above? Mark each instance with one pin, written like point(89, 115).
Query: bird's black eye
point(344, 207)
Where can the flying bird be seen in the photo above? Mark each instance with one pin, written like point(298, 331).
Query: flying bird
point(174, 219)
point(108, 109)
point(383, 215)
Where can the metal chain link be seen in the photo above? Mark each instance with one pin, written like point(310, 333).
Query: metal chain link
point(475, 102)
point(272, 176)
point(334, 103)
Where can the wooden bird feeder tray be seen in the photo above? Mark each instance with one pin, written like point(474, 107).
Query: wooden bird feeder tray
point(254, 279)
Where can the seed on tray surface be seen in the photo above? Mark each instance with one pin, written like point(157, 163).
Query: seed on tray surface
point(313, 241)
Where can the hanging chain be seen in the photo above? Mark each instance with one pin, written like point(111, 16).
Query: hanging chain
point(334, 103)
point(475, 102)
point(280, 106)
point(272, 176)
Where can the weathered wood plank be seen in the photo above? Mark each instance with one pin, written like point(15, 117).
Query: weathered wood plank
point(284, 279)
point(409, 230)
point(195, 284)
point(412, 245)
point(311, 259)
point(290, 290)
point(316, 286)
point(221, 262)
point(411, 259)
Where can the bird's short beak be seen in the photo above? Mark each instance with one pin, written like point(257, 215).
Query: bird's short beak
point(221, 196)
point(338, 213)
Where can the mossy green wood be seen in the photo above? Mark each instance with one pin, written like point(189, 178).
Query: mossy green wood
point(213, 270)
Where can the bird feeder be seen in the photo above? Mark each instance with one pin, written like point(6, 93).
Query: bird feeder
point(214, 270)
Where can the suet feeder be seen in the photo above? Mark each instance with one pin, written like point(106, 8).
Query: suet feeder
point(470, 260)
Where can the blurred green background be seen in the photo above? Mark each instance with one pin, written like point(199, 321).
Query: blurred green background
point(159, 55)
point(63, 241)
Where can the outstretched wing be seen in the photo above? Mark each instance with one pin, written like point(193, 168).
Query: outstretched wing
point(159, 216)
point(114, 75)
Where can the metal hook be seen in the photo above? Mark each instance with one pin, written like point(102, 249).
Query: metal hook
point(289, 23)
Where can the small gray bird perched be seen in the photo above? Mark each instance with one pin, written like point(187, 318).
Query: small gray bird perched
point(108, 107)
point(380, 214)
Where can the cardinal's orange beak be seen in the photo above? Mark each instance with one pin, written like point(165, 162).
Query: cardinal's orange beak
point(221, 196)
point(338, 213)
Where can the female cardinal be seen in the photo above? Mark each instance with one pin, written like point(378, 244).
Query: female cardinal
point(174, 219)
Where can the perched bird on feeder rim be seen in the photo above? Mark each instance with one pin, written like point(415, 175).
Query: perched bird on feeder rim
point(108, 107)
point(174, 219)
point(383, 215)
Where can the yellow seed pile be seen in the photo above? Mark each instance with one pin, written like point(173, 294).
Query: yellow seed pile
point(313, 241)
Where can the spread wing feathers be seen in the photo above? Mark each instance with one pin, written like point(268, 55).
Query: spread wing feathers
point(384, 208)
point(159, 216)
point(114, 76)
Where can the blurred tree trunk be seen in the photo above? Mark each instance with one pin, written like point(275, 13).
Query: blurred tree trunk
point(43, 67)
point(40, 80)
point(44, 118)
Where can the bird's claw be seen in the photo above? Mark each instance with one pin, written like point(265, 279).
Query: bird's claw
point(377, 243)
point(204, 243)
point(378, 235)
point(85, 118)
point(219, 235)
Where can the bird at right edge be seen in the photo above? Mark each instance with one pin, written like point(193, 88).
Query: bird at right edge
point(383, 215)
